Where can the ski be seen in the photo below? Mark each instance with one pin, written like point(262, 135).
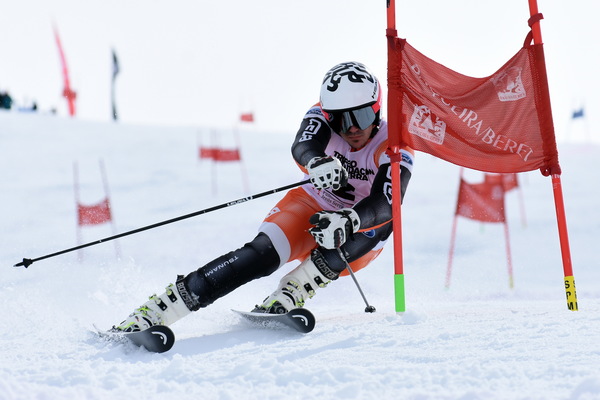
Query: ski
point(156, 339)
point(160, 338)
point(299, 319)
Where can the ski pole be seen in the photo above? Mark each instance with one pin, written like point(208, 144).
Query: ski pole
point(369, 308)
point(28, 261)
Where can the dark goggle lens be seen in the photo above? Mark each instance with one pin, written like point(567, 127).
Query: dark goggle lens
point(361, 118)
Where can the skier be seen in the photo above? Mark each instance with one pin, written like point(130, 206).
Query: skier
point(341, 147)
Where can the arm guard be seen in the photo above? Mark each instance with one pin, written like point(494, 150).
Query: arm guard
point(311, 140)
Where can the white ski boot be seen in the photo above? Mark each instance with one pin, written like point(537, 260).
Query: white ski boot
point(165, 309)
point(300, 284)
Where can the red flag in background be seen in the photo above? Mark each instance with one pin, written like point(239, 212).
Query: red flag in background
point(247, 117)
point(500, 123)
point(207, 152)
point(227, 155)
point(508, 181)
point(217, 154)
point(68, 93)
point(94, 214)
point(481, 201)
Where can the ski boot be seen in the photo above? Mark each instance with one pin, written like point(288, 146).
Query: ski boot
point(300, 284)
point(165, 309)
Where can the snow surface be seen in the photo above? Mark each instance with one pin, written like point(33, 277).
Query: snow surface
point(477, 340)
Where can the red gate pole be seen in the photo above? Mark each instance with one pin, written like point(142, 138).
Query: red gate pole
point(511, 280)
point(558, 196)
point(109, 203)
point(451, 251)
point(77, 203)
point(394, 133)
point(453, 233)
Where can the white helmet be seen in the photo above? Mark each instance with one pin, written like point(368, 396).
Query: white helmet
point(350, 96)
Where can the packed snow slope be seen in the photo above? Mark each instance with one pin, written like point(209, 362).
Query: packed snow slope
point(479, 339)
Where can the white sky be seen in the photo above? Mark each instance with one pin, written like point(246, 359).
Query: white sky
point(202, 63)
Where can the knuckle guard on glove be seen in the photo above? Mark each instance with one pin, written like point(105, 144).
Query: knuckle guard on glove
point(332, 228)
point(327, 172)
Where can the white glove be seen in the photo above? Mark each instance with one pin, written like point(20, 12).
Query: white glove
point(327, 172)
point(333, 227)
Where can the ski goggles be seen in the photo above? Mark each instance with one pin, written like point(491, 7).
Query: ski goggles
point(361, 118)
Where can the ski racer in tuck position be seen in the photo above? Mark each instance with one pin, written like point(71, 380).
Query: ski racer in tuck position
point(341, 147)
